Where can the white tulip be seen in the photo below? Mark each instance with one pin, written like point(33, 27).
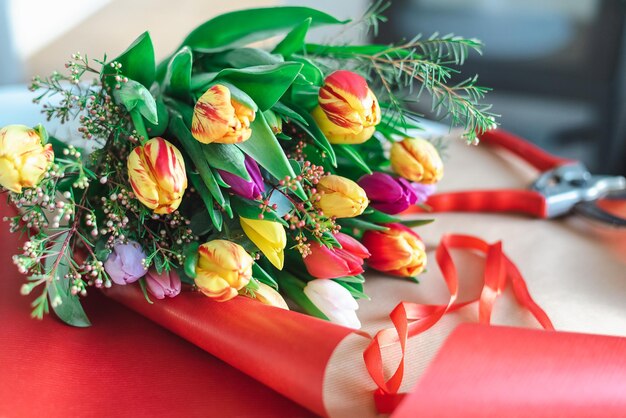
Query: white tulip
point(334, 301)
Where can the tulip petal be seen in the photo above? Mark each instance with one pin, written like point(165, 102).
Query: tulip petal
point(270, 237)
point(213, 115)
point(214, 286)
point(9, 176)
point(141, 180)
point(324, 263)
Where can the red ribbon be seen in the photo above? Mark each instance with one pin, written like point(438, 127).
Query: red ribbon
point(411, 319)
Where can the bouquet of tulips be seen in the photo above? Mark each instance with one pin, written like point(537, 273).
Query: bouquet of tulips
point(262, 172)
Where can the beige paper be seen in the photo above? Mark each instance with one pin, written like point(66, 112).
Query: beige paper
point(575, 270)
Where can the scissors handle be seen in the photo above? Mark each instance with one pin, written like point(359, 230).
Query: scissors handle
point(528, 152)
point(527, 202)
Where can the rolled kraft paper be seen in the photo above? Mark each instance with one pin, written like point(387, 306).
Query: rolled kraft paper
point(284, 350)
point(513, 372)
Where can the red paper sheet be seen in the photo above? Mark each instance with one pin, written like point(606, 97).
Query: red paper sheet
point(123, 366)
point(514, 372)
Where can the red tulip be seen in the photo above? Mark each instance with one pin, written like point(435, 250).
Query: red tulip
point(399, 251)
point(327, 263)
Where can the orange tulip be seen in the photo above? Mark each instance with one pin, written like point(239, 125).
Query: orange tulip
point(399, 251)
point(348, 111)
point(24, 160)
point(218, 117)
point(416, 159)
point(156, 171)
point(223, 269)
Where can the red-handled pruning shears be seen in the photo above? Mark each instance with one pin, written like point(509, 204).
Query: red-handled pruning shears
point(564, 186)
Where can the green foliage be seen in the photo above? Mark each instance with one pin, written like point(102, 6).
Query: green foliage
point(243, 27)
point(138, 62)
point(294, 41)
point(177, 80)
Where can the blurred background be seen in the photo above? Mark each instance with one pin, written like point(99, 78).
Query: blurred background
point(557, 67)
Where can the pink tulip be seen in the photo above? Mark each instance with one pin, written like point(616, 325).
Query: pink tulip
point(326, 263)
point(164, 284)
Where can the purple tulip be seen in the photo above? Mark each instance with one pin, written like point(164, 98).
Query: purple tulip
point(248, 189)
point(125, 263)
point(423, 191)
point(164, 284)
point(392, 195)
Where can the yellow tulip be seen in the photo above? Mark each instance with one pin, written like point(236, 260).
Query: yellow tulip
point(218, 117)
point(223, 269)
point(156, 171)
point(348, 111)
point(416, 159)
point(24, 160)
point(340, 197)
point(269, 237)
point(265, 294)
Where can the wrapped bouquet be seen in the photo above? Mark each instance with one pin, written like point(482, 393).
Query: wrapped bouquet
point(234, 168)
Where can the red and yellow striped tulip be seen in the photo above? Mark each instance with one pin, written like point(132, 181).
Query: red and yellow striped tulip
point(24, 159)
point(340, 197)
point(348, 111)
point(156, 171)
point(223, 269)
point(218, 117)
point(398, 251)
point(416, 159)
point(269, 236)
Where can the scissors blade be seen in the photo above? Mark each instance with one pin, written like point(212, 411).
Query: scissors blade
point(592, 211)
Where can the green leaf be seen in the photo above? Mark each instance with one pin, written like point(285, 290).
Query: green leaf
point(310, 73)
point(190, 252)
point(226, 157)
point(360, 224)
point(177, 80)
point(314, 132)
point(214, 214)
point(69, 310)
point(243, 27)
point(355, 289)
point(194, 151)
point(244, 57)
point(375, 216)
point(412, 223)
point(294, 288)
point(262, 276)
point(351, 154)
point(163, 119)
point(285, 110)
point(265, 84)
point(294, 41)
point(352, 279)
point(265, 149)
point(249, 209)
point(305, 95)
point(134, 96)
point(138, 62)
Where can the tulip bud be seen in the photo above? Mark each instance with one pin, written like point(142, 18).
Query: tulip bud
point(24, 159)
point(247, 189)
point(334, 301)
point(269, 237)
point(265, 294)
point(125, 264)
point(223, 269)
point(274, 121)
point(327, 263)
point(340, 197)
point(399, 251)
point(156, 171)
point(348, 111)
point(416, 159)
point(388, 194)
point(218, 117)
point(161, 285)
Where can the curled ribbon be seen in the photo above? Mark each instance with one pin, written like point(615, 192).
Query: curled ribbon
point(411, 319)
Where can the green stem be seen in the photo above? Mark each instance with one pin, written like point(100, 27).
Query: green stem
point(140, 127)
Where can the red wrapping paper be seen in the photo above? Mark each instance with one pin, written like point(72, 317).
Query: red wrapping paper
point(514, 372)
point(284, 350)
